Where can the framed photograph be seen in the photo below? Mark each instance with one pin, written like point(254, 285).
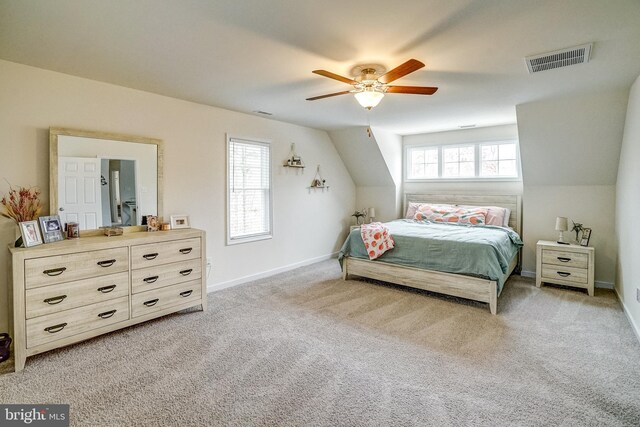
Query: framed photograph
point(51, 228)
point(180, 221)
point(30, 233)
point(152, 223)
point(586, 235)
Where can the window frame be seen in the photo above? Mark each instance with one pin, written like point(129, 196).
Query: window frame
point(477, 159)
point(253, 237)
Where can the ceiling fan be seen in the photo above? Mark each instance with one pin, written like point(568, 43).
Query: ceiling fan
point(369, 86)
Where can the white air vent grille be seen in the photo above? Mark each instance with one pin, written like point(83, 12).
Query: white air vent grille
point(560, 58)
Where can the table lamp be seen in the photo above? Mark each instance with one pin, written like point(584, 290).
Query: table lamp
point(562, 225)
point(372, 214)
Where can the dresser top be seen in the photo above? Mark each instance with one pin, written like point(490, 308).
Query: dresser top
point(569, 247)
point(102, 242)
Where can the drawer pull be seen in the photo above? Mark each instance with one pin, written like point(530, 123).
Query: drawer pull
point(563, 273)
point(55, 300)
point(107, 314)
point(55, 328)
point(186, 251)
point(186, 293)
point(186, 272)
point(563, 259)
point(106, 289)
point(107, 263)
point(150, 256)
point(150, 279)
point(55, 271)
point(151, 303)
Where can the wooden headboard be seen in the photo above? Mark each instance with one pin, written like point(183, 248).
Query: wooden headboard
point(509, 201)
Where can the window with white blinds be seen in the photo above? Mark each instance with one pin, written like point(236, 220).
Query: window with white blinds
point(248, 190)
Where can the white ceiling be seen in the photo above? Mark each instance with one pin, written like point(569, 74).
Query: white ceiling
point(248, 55)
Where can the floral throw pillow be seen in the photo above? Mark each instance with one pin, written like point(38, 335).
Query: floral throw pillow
point(476, 216)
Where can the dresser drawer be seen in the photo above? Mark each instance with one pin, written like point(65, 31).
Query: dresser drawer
point(52, 327)
point(146, 279)
point(563, 273)
point(65, 296)
point(158, 299)
point(65, 268)
point(153, 254)
point(569, 259)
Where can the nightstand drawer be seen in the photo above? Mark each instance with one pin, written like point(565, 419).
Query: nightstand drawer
point(565, 258)
point(569, 274)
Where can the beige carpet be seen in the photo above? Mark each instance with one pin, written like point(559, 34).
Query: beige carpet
point(305, 348)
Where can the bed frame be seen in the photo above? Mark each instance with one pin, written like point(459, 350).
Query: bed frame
point(458, 285)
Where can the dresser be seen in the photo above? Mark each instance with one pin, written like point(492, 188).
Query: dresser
point(569, 265)
point(69, 291)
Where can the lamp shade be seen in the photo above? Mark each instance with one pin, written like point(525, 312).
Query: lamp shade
point(562, 224)
point(372, 213)
point(369, 98)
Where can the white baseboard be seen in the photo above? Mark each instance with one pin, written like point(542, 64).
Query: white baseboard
point(634, 325)
point(235, 282)
point(598, 283)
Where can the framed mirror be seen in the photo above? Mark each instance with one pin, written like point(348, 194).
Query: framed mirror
point(100, 179)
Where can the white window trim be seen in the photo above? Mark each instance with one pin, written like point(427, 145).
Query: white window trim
point(477, 178)
point(253, 237)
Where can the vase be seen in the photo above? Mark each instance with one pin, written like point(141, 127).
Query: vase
point(18, 243)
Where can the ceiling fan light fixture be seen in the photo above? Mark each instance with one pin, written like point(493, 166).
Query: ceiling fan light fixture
point(369, 98)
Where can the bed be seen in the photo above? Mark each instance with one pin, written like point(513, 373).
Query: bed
point(484, 287)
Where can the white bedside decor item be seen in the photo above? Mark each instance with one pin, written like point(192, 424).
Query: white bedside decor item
point(562, 225)
point(372, 214)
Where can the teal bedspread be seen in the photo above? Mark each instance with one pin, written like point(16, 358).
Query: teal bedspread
point(481, 251)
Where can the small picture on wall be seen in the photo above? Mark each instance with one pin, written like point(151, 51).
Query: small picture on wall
point(180, 221)
point(586, 235)
point(51, 228)
point(30, 233)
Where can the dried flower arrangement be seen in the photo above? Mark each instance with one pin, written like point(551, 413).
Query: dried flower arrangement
point(22, 204)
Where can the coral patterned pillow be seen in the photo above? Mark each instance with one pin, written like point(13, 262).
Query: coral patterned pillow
point(475, 216)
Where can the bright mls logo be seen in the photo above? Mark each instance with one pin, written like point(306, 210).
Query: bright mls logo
point(34, 415)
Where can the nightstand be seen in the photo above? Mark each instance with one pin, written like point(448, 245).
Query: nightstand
point(569, 265)
point(353, 227)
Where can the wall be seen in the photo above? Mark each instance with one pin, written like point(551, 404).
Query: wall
point(627, 205)
point(373, 173)
point(569, 150)
point(491, 133)
point(307, 225)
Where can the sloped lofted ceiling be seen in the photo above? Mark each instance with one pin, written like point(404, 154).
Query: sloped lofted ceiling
point(258, 54)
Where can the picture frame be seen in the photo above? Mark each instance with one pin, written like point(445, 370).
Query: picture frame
point(30, 233)
point(586, 235)
point(180, 221)
point(152, 223)
point(51, 228)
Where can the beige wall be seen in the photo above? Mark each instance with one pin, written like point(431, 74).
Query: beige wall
point(628, 205)
point(307, 225)
point(591, 205)
point(569, 150)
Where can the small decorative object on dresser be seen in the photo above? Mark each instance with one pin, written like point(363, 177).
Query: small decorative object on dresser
point(21, 205)
point(180, 221)
point(73, 230)
point(51, 228)
point(565, 264)
point(586, 235)
point(113, 231)
point(152, 223)
point(562, 225)
point(30, 233)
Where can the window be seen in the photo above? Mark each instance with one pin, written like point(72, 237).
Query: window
point(480, 160)
point(498, 160)
point(424, 162)
point(458, 162)
point(248, 190)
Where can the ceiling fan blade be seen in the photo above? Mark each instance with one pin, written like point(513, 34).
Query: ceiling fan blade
point(335, 76)
point(418, 90)
point(402, 70)
point(329, 95)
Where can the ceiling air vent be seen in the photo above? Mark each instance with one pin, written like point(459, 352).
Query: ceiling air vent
point(560, 58)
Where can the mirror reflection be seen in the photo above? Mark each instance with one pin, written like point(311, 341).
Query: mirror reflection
point(105, 182)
